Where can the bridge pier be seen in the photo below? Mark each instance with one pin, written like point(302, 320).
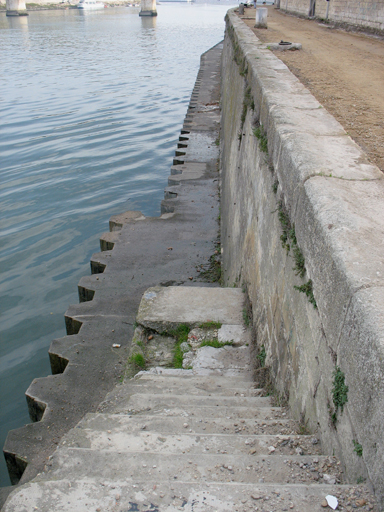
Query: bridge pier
point(16, 8)
point(148, 8)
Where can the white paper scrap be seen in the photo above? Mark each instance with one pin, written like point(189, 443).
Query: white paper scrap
point(332, 501)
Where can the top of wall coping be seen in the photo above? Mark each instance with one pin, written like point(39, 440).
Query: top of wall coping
point(304, 140)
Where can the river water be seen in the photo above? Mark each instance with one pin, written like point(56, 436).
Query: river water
point(91, 106)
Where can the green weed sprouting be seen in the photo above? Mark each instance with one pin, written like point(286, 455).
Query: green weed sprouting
point(358, 449)
point(275, 186)
point(215, 343)
point(289, 241)
point(246, 318)
point(261, 356)
point(307, 288)
point(181, 335)
point(210, 325)
point(340, 389)
point(299, 267)
point(259, 133)
point(248, 102)
point(285, 224)
point(138, 360)
point(243, 69)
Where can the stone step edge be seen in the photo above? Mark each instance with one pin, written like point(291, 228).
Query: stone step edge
point(119, 415)
point(230, 392)
point(137, 456)
point(153, 433)
point(176, 483)
point(194, 398)
point(159, 371)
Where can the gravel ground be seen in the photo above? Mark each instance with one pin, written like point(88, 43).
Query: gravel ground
point(343, 70)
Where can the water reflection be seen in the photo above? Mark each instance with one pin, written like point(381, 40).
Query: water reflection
point(148, 22)
point(18, 22)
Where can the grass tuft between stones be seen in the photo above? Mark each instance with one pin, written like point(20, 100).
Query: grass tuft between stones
point(215, 343)
point(210, 325)
point(181, 335)
point(138, 360)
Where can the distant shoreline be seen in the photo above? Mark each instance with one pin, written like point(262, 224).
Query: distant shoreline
point(67, 5)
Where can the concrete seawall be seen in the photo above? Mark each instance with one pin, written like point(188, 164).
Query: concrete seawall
point(302, 228)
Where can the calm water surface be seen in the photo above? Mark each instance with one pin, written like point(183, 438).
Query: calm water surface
point(91, 106)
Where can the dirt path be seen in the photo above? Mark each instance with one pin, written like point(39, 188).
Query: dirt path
point(343, 70)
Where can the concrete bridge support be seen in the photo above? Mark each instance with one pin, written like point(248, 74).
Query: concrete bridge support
point(16, 8)
point(148, 8)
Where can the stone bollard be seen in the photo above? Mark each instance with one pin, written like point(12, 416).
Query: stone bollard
point(261, 17)
point(241, 9)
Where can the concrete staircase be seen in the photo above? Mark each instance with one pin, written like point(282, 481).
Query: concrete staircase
point(200, 439)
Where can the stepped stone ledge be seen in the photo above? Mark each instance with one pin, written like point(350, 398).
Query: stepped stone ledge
point(138, 253)
point(197, 439)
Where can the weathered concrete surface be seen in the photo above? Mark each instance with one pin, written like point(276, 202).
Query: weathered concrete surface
point(193, 440)
point(162, 309)
point(302, 168)
point(142, 252)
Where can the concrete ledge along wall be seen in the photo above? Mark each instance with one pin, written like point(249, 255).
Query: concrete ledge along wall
point(301, 170)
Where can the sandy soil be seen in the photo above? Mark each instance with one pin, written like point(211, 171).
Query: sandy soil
point(343, 70)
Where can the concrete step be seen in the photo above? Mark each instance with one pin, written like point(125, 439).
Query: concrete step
point(144, 400)
point(121, 439)
point(170, 389)
point(85, 495)
point(198, 412)
point(226, 359)
point(166, 378)
point(175, 424)
point(164, 308)
point(70, 463)
point(245, 376)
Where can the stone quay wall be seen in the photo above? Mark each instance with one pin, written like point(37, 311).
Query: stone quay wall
point(362, 13)
point(302, 214)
